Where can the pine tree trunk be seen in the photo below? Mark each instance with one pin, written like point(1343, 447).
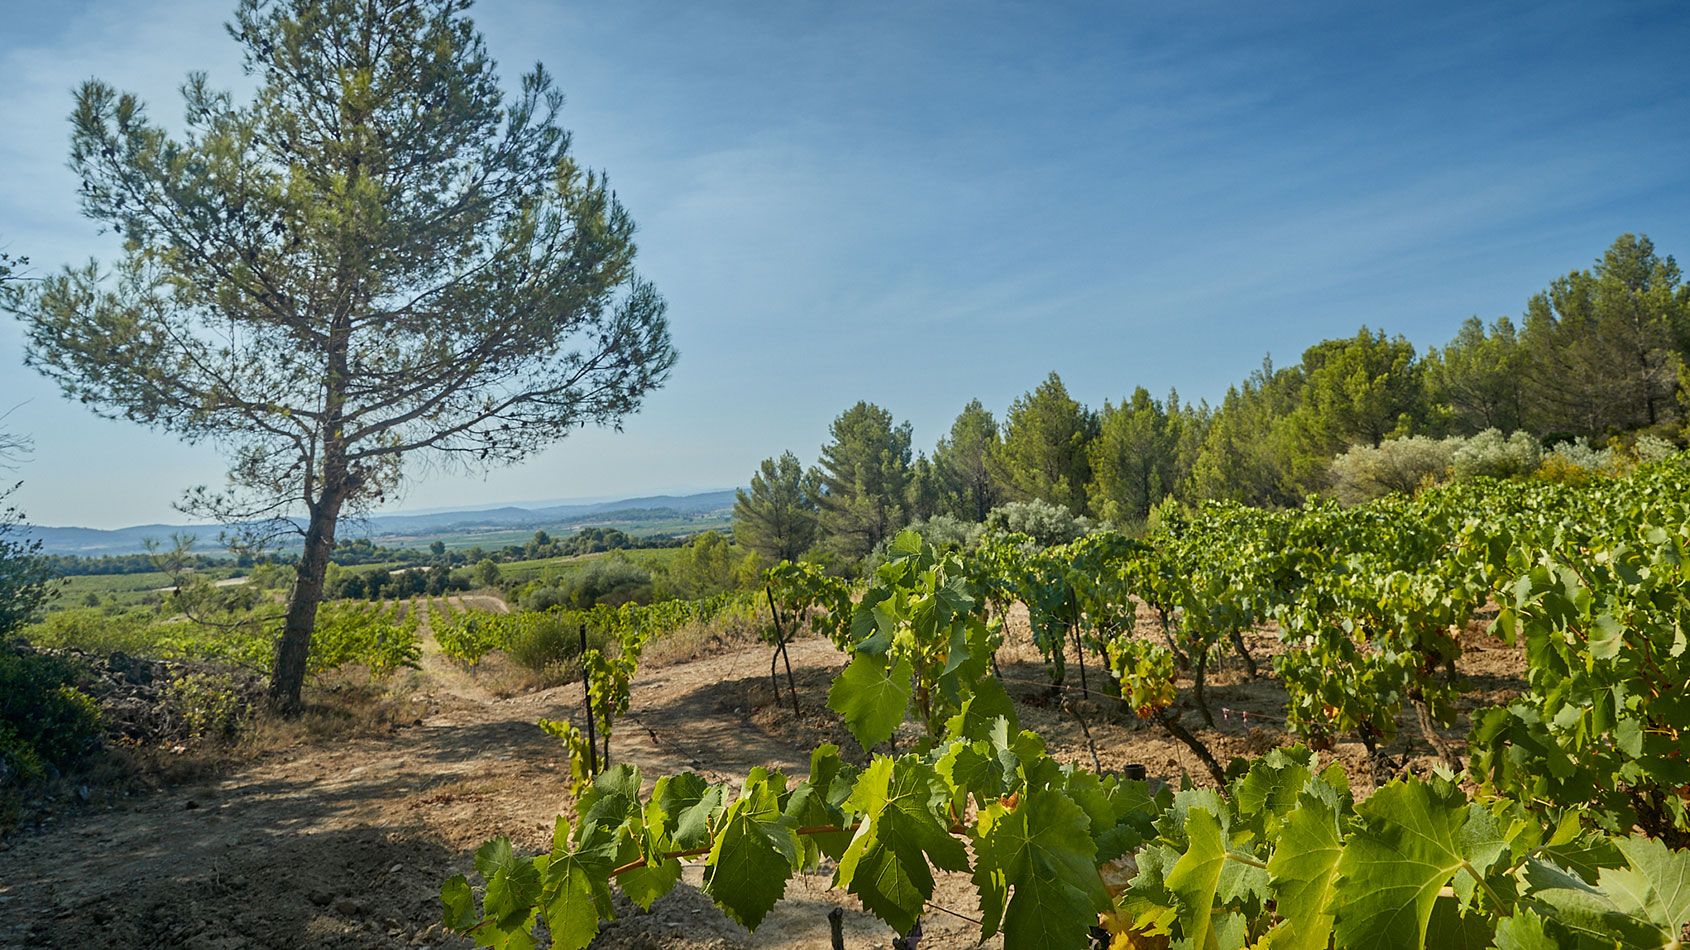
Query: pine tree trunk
point(288, 674)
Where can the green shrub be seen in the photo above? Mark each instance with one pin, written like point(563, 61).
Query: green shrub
point(612, 581)
point(544, 598)
point(551, 643)
point(1579, 453)
point(1366, 472)
point(1043, 521)
point(703, 567)
point(1490, 454)
point(44, 718)
point(212, 706)
point(1653, 448)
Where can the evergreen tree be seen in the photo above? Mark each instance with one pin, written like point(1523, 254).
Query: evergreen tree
point(1480, 377)
point(962, 465)
point(380, 256)
point(1135, 458)
point(1046, 437)
point(1355, 391)
point(925, 492)
point(1191, 425)
point(864, 480)
point(1604, 346)
point(1240, 458)
point(777, 517)
point(9, 264)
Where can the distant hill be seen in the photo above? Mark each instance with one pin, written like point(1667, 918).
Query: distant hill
point(652, 514)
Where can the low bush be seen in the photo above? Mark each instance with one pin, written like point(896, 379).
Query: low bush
point(1366, 472)
point(1490, 454)
point(211, 706)
point(45, 719)
point(1653, 448)
point(550, 643)
point(610, 581)
point(1043, 521)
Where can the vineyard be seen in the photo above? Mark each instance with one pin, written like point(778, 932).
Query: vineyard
point(1561, 823)
point(382, 638)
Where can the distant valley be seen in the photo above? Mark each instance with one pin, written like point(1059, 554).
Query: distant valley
point(485, 527)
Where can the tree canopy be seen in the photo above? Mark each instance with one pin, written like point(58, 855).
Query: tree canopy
point(1043, 454)
point(1604, 345)
point(1480, 377)
point(962, 463)
point(1136, 458)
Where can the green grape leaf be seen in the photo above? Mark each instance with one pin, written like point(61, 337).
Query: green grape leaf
point(1416, 836)
point(1044, 851)
point(1524, 931)
point(1582, 852)
point(644, 885)
point(1017, 752)
point(970, 768)
point(685, 804)
point(614, 794)
point(819, 800)
point(1645, 904)
point(1146, 903)
point(903, 828)
point(1270, 789)
point(754, 854)
point(981, 711)
point(1194, 878)
point(579, 898)
point(1456, 928)
point(1134, 811)
point(1607, 637)
point(513, 884)
point(457, 903)
point(873, 627)
point(1304, 863)
point(872, 697)
point(1657, 882)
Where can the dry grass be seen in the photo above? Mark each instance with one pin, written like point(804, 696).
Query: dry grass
point(697, 640)
point(342, 705)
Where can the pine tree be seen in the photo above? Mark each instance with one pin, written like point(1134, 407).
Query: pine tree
point(379, 259)
point(1044, 453)
point(963, 467)
point(777, 517)
point(863, 479)
point(1604, 346)
point(1135, 458)
point(1480, 377)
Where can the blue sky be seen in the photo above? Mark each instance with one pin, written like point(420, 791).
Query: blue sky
point(922, 203)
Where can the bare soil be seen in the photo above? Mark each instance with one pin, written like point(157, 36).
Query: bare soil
point(345, 843)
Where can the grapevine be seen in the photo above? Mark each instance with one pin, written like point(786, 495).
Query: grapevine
point(1565, 830)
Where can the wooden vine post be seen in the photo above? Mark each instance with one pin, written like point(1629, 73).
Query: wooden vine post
point(780, 651)
point(587, 700)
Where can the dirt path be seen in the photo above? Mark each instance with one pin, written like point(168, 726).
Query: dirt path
point(345, 844)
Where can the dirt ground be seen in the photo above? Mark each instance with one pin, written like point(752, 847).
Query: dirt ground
point(345, 843)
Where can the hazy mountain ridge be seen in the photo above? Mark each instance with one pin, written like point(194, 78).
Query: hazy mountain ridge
point(93, 542)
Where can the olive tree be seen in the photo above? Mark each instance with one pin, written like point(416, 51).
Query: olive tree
point(381, 259)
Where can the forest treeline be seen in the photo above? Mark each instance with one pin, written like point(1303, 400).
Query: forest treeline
point(1596, 359)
